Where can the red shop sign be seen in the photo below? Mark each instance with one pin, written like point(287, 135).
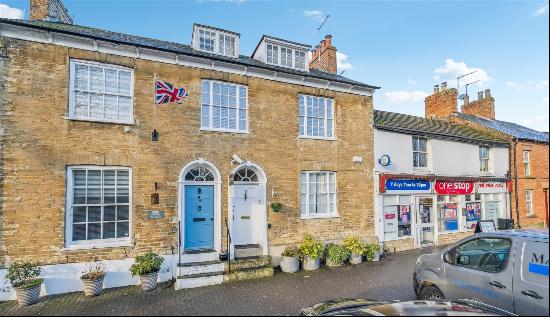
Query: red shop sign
point(454, 188)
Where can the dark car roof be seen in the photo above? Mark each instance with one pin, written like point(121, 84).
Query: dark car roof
point(145, 42)
point(404, 123)
point(512, 129)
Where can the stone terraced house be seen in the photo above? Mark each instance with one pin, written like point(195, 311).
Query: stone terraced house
point(92, 169)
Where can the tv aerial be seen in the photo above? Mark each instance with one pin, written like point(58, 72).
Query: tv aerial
point(461, 97)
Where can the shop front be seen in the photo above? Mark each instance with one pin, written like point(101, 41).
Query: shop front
point(421, 211)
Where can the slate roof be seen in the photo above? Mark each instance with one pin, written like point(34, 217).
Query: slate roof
point(172, 47)
point(434, 128)
point(512, 129)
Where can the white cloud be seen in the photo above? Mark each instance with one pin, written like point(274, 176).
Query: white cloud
point(541, 85)
point(542, 10)
point(514, 85)
point(411, 82)
point(9, 12)
point(405, 96)
point(452, 69)
point(315, 14)
point(539, 122)
point(342, 62)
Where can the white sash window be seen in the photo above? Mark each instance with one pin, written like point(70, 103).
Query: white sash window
point(100, 92)
point(224, 107)
point(318, 195)
point(316, 116)
point(99, 206)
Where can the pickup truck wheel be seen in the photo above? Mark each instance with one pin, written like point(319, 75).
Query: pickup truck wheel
point(431, 292)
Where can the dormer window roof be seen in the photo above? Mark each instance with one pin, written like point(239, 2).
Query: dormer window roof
point(215, 40)
point(275, 51)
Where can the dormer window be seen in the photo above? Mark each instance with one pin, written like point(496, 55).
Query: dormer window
point(216, 41)
point(283, 53)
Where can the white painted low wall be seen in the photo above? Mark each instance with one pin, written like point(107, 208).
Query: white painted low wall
point(65, 278)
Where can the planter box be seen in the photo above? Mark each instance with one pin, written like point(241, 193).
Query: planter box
point(356, 258)
point(311, 264)
point(290, 264)
point(149, 281)
point(28, 295)
point(93, 287)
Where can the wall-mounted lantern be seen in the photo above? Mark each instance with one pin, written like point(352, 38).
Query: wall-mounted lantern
point(155, 198)
point(155, 135)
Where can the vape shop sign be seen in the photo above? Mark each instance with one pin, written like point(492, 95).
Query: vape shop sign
point(454, 188)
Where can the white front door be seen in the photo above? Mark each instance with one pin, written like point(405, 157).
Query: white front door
point(247, 205)
point(425, 222)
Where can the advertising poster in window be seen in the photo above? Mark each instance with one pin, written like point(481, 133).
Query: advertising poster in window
point(473, 215)
point(450, 212)
point(404, 214)
point(391, 224)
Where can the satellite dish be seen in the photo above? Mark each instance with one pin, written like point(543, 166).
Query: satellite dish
point(461, 97)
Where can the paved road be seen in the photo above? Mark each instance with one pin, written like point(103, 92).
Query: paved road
point(283, 294)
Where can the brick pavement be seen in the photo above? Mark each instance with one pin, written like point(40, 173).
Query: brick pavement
point(283, 294)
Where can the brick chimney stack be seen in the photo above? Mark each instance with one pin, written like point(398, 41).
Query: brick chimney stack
point(49, 10)
point(442, 104)
point(484, 106)
point(323, 57)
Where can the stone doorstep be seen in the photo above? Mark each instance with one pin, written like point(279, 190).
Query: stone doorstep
point(248, 274)
point(249, 263)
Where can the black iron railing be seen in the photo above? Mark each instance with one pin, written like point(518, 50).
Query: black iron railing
point(228, 246)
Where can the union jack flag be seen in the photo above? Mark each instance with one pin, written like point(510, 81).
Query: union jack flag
point(166, 92)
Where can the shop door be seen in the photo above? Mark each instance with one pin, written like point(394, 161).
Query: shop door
point(425, 229)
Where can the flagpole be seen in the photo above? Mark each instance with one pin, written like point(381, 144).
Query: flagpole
point(155, 103)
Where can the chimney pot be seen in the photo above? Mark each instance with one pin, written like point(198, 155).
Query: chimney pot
point(487, 93)
point(443, 86)
point(436, 89)
point(479, 95)
point(328, 40)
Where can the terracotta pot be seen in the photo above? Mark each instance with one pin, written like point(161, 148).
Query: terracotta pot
point(356, 258)
point(28, 295)
point(93, 287)
point(311, 264)
point(290, 264)
point(149, 281)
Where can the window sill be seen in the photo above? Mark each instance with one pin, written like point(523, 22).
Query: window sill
point(316, 138)
point(225, 131)
point(531, 215)
point(422, 170)
point(319, 217)
point(92, 246)
point(455, 232)
point(101, 121)
point(399, 238)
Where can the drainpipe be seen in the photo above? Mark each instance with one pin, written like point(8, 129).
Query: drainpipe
point(546, 205)
point(516, 182)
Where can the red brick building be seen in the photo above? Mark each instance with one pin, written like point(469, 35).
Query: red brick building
point(528, 150)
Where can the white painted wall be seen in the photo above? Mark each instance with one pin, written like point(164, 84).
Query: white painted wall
point(64, 278)
point(445, 158)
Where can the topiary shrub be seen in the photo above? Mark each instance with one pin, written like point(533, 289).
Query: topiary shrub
point(24, 275)
point(354, 245)
point(336, 254)
point(146, 264)
point(310, 247)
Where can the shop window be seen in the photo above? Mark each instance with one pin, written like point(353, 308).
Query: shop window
point(397, 217)
point(491, 207)
point(473, 211)
point(447, 213)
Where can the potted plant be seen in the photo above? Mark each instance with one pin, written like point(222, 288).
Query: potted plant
point(276, 207)
point(147, 267)
point(311, 251)
point(356, 247)
point(373, 252)
point(290, 259)
point(25, 279)
point(336, 254)
point(92, 278)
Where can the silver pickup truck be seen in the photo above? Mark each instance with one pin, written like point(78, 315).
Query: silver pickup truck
point(506, 269)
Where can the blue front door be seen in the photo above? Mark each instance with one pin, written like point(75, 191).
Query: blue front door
point(199, 217)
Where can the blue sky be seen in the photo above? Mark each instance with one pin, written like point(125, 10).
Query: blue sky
point(405, 47)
